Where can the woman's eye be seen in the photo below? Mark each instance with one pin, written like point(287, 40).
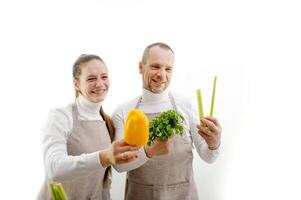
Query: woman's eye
point(91, 79)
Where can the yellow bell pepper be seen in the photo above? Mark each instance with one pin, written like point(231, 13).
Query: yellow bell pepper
point(136, 128)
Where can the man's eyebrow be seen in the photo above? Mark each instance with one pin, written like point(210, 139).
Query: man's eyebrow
point(155, 64)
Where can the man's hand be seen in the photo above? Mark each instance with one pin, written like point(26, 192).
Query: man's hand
point(158, 148)
point(210, 130)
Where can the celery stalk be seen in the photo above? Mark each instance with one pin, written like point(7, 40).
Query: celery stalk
point(57, 192)
point(52, 190)
point(200, 104)
point(54, 193)
point(61, 192)
point(213, 96)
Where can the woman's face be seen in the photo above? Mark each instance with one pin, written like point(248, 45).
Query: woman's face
point(93, 83)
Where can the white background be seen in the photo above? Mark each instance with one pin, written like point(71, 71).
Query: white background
point(253, 46)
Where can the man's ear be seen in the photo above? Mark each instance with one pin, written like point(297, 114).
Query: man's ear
point(141, 67)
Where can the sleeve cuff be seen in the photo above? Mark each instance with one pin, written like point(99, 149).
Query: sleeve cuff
point(92, 161)
point(143, 155)
point(215, 152)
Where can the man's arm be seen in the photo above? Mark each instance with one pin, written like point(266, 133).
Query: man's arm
point(206, 143)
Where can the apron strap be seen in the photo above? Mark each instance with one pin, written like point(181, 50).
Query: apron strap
point(138, 102)
point(75, 115)
point(172, 101)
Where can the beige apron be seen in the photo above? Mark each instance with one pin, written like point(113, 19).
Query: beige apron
point(85, 137)
point(166, 177)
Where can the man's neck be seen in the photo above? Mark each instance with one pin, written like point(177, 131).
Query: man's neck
point(148, 96)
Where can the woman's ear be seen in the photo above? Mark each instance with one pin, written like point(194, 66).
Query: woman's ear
point(76, 85)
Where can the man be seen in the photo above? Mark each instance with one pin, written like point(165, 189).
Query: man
point(164, 170)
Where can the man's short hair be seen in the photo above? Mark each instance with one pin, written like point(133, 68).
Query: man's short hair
point(146, 50)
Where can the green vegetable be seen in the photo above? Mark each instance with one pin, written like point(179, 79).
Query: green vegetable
point(57, 191)
point(54, 195)
point(200, 103)
point(213, 96)
point(164, 125)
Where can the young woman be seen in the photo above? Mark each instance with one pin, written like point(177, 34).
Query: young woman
point(77, 139)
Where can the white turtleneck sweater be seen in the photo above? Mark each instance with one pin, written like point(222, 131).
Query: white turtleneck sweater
point(59, 166)
point(153, 103)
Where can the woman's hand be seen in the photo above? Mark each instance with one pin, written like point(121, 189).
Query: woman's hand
point(119, 152)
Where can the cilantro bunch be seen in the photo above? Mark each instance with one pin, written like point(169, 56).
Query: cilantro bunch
point(164, 125)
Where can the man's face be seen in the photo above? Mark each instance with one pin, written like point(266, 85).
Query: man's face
point(157, 71)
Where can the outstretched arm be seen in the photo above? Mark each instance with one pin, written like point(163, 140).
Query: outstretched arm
point(118, 120)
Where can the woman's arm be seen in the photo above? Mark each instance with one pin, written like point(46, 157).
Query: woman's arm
point(118, 120)
point(58, 164)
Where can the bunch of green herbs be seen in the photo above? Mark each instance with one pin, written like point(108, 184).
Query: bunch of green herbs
point(164, 125)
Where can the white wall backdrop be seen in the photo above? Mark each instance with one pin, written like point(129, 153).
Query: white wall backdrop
point(253, 46)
